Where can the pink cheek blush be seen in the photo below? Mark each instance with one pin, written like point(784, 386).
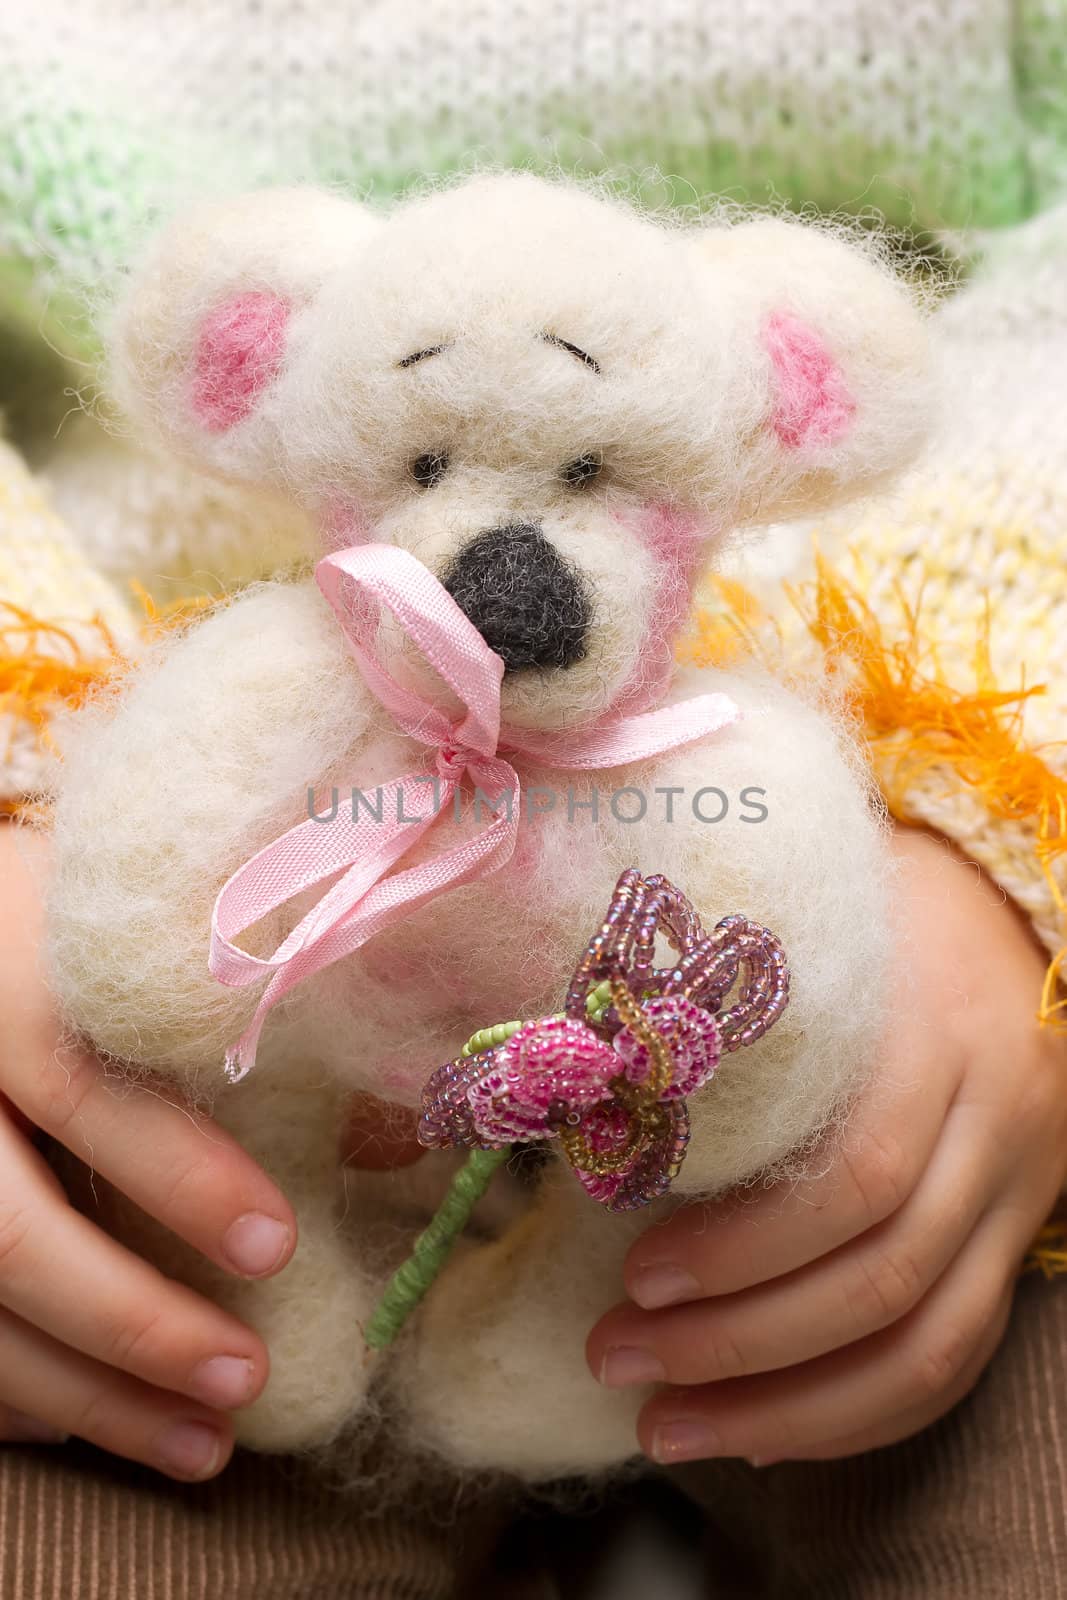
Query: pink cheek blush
point(342, 524)
point(238, 353)
point(812, 403)
point(676, 540)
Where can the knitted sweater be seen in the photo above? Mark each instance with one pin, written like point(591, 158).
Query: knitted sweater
point(937, 112)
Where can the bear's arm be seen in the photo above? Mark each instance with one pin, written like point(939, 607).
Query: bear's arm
point(805, 856)
point(207, 757)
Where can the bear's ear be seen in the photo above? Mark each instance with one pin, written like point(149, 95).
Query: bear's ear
point(824, 360)
point(206, 321)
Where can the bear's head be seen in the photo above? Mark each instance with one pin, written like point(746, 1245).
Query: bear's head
point(556, 403)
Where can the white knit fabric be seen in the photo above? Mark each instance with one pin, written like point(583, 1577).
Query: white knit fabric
point(142, 514)
point(942, 109)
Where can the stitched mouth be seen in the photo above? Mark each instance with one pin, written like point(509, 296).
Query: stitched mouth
point(530, 605)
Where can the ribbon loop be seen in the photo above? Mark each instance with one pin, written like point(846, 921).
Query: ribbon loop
point(359, 854)
point(434, 623)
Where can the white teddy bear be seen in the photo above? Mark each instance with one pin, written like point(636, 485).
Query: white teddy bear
point(522, 415)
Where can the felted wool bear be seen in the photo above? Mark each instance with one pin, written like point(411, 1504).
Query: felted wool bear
point(522, 415)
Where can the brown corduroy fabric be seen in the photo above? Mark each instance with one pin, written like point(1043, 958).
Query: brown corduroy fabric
point(77, 1525)
point(974, 1508)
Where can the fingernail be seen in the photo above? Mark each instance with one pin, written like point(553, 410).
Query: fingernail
point(625, 1365)
point(255, 1243)
point(191, 1449)
point(21, 1429)
point(663, 1285)
point(684, 1441)
point(223, 1381)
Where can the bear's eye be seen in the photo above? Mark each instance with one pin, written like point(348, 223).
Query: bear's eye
point(429, 468)
point(582, 470)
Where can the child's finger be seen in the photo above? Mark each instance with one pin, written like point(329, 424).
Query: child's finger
point(18, 1428)
point(60, 1273)
point(861, 1287)
point(179, 1167)
point(74, 1395)
point(903, 1424)
point(14, 1115)
point(912, 1366)
point(732, 1244)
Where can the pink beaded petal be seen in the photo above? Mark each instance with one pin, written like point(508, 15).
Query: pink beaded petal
point(692, 1036)
point(548, 1074)
point(565, 1073)
point(607, 1130)
point(650, 1173)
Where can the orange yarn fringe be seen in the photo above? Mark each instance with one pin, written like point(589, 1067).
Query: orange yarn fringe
point(914, 720)
point(1048, 1253)
point(44, 668)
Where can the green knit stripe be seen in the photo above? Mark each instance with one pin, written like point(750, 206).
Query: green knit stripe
point(85, 167)
point(1041, 83)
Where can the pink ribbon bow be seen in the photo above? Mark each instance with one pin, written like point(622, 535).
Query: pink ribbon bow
point(366, 896)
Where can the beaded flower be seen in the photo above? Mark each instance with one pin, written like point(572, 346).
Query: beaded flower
point(608, 1078)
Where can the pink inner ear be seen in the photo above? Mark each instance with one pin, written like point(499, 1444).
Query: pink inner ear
point(812, 402)
point(238, 352)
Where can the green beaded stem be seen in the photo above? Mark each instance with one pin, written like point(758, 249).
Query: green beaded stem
point(597, 1002)
point(432, 1248)
point(489, 1038)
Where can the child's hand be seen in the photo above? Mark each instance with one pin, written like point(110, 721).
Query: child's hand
point(852, 1310)
point(94, 1341)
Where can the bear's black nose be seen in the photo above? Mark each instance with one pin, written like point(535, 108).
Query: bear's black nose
point(529, 604)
